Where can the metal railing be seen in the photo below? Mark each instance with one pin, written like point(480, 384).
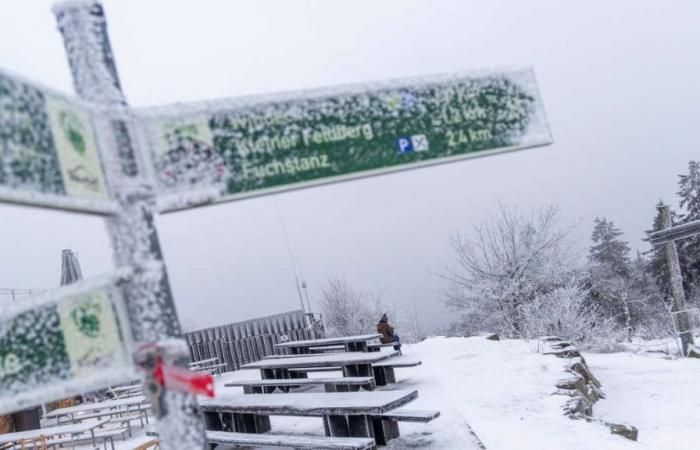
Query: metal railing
point(239, 343)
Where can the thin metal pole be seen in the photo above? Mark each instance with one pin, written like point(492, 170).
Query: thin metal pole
point(134, 238)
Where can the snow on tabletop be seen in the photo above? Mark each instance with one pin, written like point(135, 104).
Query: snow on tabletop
point(330, 341)
point(52, 431)
point(323, 360)
point(311, 404)
point(85, 407)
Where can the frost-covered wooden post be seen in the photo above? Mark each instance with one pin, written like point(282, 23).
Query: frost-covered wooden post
point(676, 281)
point(152, 314)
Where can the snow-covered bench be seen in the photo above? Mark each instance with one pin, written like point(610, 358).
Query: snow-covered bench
point(378, 347)
point(336, 384)
point(127, 419)
point(384, 370)
point(294, 441)
point(101, 437)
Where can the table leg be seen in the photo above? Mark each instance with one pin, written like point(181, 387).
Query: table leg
point(361, 426)
point(336, 426)
point(213, 421)
point(384, 430)
point(250, 423)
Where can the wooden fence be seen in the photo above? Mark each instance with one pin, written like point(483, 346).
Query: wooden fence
point(239, 343)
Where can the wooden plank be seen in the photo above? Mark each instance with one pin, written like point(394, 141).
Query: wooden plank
point(309, 404)
point(331, 341)
point(407, 415)
point(350, 381)
point(291, 441)
point(399, 361)
point(322, 360)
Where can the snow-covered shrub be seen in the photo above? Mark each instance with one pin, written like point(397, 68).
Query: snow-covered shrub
point(564, 312)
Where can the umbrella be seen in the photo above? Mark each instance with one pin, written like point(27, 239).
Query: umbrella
point(70, 268)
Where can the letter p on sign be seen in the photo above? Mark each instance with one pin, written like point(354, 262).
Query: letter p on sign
point(404, 145)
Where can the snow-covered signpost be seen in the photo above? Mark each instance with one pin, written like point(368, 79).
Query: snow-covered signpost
point(683, 317)
point(152, 315)
point(230, 149)
point(48, 151)
point(67, 341)
point(97, 155)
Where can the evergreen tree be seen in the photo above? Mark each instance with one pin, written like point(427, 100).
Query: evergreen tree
point(689, 200)
point(656, 265)
point(609, 249)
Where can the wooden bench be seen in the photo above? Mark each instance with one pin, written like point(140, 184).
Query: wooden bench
point(384, 370)
point(294, 441)
point(410, 415)
point(327, 349)
point(337, 384)
point(148, 444)
point(303, 370)
point(378, 347)
point(126, 420)
point(101, 437)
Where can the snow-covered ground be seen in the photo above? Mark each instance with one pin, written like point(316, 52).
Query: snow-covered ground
point(502, 392)
point(659, 396)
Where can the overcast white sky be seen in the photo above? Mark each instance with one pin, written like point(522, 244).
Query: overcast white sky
point(619, 81)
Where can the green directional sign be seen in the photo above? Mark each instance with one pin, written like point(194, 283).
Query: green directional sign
point(48, 150)
point(230, 149)
point(69, 341)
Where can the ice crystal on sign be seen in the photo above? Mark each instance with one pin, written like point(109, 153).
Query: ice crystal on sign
point(28, 160)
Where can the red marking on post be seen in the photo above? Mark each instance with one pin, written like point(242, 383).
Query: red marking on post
point(184, 380)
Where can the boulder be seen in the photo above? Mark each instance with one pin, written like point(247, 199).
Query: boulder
point(627, 431)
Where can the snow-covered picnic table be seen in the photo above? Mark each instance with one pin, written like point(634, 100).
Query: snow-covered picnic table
point(132, 387)
point(353, 364)
point(348, 414)
point(357, 343)
point(71, 430)
point(138, 402)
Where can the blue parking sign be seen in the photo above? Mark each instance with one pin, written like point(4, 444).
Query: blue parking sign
point(404, 145)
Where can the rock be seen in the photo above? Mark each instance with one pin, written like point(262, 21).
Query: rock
point(492, 337)
point(574, 382)
point(578, 408)
point(560, 345)
point(628, 431)
point(566, 352)
point(693, 352)
point(579, 366)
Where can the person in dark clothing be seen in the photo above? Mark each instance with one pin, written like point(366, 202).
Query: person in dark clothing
point(387, 332)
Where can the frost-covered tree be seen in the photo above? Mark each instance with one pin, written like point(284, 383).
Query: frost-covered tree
point(649, 305)
point(348, 310)
point(608, 248)
point(689, 201)
point(506, 262)
point(656, 256)
point(657, 266)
